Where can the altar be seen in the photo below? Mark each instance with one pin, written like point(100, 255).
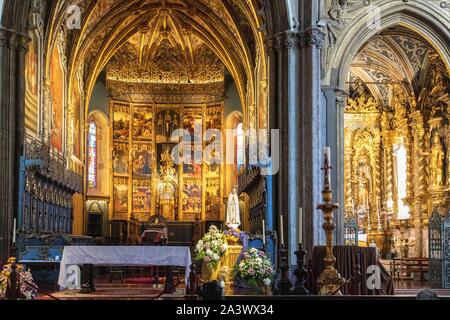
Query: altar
point(138, 256)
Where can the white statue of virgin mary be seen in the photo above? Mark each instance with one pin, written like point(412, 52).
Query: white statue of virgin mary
point(233, 220)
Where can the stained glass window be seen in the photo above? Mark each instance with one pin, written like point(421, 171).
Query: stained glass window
point(401, 166)
point(240, 145)
point(92, 155)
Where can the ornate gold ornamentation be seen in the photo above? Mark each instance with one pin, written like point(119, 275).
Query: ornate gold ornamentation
point(330, 281)
point(362, 104)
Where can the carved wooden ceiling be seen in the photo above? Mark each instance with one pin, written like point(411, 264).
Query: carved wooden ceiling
point(188, 30)
point(394, 58)
point(165, 51)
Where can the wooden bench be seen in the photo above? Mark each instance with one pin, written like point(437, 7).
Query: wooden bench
point(405, 269)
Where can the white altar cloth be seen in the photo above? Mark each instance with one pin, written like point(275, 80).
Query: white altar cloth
point(124, 256)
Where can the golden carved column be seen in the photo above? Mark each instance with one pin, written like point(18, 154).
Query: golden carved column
point(378, 182)
point(436, 165)
point(348, 173)
point(389, 194)
point(420, 177)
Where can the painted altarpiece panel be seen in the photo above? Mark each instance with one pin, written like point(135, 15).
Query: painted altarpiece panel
point(142, 196)
point(32, 87)
point(121, 122)
point(57, 88)
point(120, 195)
point(142, 160)
point(120, 159)
point(76, 105)
point(142, 123)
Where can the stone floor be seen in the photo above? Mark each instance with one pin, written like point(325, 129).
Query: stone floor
point(124, 291)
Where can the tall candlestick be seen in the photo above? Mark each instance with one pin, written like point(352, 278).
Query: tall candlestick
point(264, 231)
point(14, 232)
point(300, 225)
point(281, 230)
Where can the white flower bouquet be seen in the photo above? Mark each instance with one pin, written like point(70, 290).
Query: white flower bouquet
point(211, 248)
point(255, 269)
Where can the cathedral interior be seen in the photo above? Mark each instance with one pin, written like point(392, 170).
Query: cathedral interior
point(118, 114)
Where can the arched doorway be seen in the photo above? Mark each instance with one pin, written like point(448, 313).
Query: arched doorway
point(394, 66)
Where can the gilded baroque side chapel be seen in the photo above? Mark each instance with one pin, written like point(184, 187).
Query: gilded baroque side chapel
point(119, 117)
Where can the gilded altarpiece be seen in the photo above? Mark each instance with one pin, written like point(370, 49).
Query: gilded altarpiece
point(166, 159)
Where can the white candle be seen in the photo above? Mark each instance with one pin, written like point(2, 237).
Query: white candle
point(327, 153)
point(14, 232)
point(264, 231)
point(281, 230)
point(300, 225)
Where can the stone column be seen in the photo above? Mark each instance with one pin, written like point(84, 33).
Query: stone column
point(12, 93)
point(336, 101)
point(312, 118)
point(288, 124)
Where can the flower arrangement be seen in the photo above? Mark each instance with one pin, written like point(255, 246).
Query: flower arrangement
point(255, 269)
point(211, 248)
point(25, 280)
point(233, 235)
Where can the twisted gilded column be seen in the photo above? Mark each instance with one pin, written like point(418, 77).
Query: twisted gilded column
point(348, 174)
point(389, 194)
point(421, 179)
point(377, 219)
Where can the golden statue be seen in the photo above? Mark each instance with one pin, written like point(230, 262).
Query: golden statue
point(363, 187)
point(437, 161)
point(167, 203)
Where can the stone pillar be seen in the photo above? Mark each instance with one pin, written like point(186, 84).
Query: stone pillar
point(12, 93)
point(311, 121)
point(336, 101)
point(288, 124)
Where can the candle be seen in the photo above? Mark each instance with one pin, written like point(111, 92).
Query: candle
point(300, 225)
point(281, 230)
point(264, 231)
point(14, 232)
point(327, 154)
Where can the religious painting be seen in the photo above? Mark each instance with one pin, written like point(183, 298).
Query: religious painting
point(121, 122)
point(142, 123)
point(142, 196)
point(167, 122)
point(213, 118)
point(57, 88)
point(163, 148)
point(192, 196)
point(31, 79)
point(193, 123)
point(213, 198)
point(120, 195)
point(120, 159)
point(192, 159)
point(213, 152)
point(142, 160)
point(76, 105)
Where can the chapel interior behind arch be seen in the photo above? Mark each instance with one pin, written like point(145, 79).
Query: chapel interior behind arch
point(396, 122)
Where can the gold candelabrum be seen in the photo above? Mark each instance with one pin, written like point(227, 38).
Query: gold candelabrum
point(330, 281)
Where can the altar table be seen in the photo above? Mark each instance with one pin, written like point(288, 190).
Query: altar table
point(124, 256)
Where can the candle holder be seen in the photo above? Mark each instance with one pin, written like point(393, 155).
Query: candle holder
point(269, 235)
point(301, 272)
point(330, 281)
point(284, 284)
